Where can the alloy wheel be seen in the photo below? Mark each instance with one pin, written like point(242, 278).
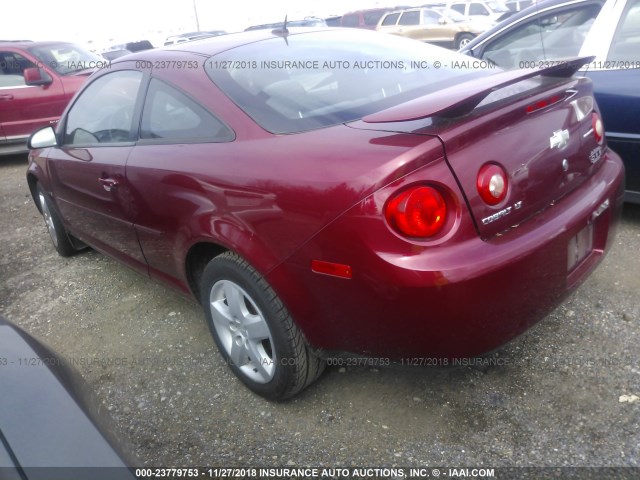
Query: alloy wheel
point(243, 331)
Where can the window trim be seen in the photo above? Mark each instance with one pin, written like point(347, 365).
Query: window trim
point(395, 23)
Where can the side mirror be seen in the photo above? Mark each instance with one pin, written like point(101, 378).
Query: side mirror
point(36, 76)
point(43, 138)
point(442, 21)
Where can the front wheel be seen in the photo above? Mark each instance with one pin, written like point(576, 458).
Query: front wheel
point(59, 237)
point(254, 331)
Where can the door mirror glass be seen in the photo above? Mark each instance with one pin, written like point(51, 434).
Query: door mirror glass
point(43, 138)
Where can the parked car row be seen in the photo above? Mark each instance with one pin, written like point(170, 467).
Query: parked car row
point(492, 10)
point(188, 37)
point(438, 25)
point(306, 22)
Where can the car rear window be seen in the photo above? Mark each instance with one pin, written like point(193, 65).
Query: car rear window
point(318, 79)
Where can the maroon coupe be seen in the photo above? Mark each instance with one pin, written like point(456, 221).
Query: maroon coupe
point(330, 191)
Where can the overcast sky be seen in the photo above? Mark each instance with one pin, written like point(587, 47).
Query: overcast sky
point(104, 23)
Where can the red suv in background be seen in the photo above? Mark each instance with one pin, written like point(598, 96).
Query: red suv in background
point(367, 19)
point(37, 80)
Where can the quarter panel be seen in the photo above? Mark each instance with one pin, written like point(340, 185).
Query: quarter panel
point(262, 198)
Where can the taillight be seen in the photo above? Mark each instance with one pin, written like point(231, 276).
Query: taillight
point(598, 128)
point(417, 212)
point(492, 183)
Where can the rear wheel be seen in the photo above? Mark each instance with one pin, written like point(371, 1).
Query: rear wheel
point(463, 39)
point(59, 236)
point(254, 331)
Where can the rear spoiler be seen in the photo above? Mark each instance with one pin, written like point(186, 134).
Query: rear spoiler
point(463, 98)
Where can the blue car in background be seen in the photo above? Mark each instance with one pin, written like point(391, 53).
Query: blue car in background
point(554, 30)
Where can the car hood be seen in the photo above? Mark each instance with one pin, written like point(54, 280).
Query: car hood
point(47, 416)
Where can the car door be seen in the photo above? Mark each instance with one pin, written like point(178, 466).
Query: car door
point(388, 23)
point(178, 138)
point(616, 81)
point(25, 108)
point(88, 169)
point(434, 29)
point(409, 25)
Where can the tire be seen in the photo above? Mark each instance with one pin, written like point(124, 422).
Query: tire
point(463, 39)
point(254, 331)
point(59, 237)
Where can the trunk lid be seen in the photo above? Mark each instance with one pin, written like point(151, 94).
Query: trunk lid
point(536, 125)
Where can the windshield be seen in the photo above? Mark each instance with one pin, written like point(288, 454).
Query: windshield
point(319, 79)
point(66, 58)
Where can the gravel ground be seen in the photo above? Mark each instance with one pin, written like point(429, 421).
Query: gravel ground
point(565, 393)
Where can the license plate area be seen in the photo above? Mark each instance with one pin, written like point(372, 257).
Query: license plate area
point(579, 247)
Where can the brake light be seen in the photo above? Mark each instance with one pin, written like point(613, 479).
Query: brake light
point(492, 183)
point(417, 212)
point(547, 102)
point(598, 128)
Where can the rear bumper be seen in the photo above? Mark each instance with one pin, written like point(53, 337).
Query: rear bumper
point(461, 298)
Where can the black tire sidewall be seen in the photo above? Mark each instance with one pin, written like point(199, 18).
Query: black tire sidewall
point(65, 248)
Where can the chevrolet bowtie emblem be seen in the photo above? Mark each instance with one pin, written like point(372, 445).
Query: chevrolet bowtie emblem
point(559, 139)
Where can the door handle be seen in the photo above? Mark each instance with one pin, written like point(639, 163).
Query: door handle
point(108, 183)
point(6, 96)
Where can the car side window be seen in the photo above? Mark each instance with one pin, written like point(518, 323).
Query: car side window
point(372, 18)
point(458, 7)
point(478, 9)
point(552, 36)
point(170, 114)
point(391, 19)
point(625, 46)
point(430, 17)
point(12, 66)
point(104, 111)
point(410, 18)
